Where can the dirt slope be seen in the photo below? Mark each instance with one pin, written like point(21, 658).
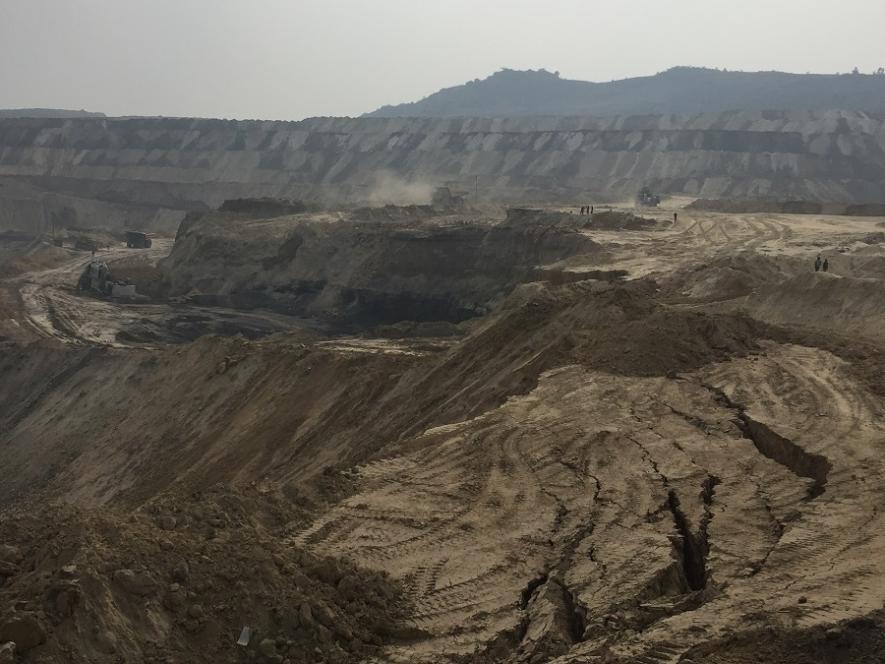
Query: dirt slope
point(678, 466)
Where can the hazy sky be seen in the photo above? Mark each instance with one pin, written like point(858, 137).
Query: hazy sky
point(292, 59)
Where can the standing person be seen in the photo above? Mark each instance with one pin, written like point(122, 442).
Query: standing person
point(675, 217)
point(826, 264)
point(591, 209)
point(817, 264)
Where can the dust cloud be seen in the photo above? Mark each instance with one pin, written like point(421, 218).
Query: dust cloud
point(390, 189)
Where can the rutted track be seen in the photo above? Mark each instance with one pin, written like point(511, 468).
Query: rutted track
point(52, 308)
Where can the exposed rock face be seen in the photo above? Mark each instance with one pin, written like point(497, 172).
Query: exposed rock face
point(150, 171)
point(366, 272)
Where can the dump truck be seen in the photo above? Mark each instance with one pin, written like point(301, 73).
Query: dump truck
point(138, 240)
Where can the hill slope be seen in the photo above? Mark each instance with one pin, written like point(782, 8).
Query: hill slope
point(679, 90)
point(47, 113)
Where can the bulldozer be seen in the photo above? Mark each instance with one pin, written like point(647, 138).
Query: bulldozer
point(645, 198)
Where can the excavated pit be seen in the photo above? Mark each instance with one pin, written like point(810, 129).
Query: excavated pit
point(441, 474)
point(355, 274)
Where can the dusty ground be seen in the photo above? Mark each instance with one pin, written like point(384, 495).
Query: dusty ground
point(53, 308)
point(684, 466)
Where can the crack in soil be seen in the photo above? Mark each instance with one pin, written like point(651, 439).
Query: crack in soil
point(693, 549)
point(777, 448)
point(693, 553)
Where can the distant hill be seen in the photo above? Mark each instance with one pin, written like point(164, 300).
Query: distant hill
point(47, 113)
point(510, 93)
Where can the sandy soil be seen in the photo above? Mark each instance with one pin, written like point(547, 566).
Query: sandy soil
point(52, 308)
point(683, 466)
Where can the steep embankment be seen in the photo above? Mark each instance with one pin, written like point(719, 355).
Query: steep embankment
point(366, 272)
point(102, 426)
point(845, 306)
point(149, 171)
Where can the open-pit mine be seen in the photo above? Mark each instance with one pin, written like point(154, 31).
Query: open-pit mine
point(382, 390)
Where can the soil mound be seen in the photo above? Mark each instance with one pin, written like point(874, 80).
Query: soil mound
point(613, 220)
point(263, 208)
point(826, 302)
point(613, 327)
point(762, 205)
point(866, 210)
point(856, 641)
point(729, 277)
point(536, 217)
point(182, 581)
point(787, 207)
point(394, 213)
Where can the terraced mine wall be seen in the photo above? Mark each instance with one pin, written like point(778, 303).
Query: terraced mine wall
point(150, 171)
point(362, 273)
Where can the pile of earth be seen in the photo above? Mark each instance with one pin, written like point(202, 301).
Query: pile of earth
point(394, 213)
point(178, 581)
point(757, 205)
point(605, 220)
point(613, 220)
point(541, 218)
point(844, 306)
point(730, 276)
point(619, 328)
point(20, 257)
point(787, 207)
point(855, 641)
point(263, 208)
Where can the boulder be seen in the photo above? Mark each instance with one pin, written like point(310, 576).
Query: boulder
point(23, 629)
point(181, 572)
point(268, 647)
point(7, 653)
point(167, 522)
point(10, 554)
point(135, 583)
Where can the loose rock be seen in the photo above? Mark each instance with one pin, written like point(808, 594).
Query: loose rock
point(23, 629)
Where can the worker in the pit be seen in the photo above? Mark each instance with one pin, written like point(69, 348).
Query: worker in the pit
point(675, 217)
point(817, 264)
point(826, 265)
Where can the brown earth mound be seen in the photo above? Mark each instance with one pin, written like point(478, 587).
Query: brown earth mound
point(787, 207)
point(762, 205)
point(394, 213)
point(613, 220)
point(857, 641)
point(846, 306)
point(179, 582)
point(731, 276)
point(263, 208)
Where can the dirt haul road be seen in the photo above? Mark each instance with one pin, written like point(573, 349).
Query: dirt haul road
point(686, 466)
point(52, 308)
